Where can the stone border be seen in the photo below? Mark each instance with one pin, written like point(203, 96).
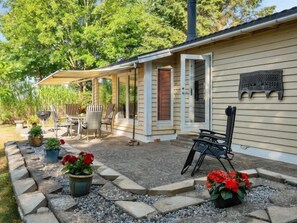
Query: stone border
point(38, 203)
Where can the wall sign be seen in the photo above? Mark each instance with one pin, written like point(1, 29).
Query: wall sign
point(261, 81)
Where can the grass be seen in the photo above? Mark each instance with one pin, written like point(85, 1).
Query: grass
point(8, 207)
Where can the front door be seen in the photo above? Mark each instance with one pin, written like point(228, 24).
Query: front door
point(195, 92)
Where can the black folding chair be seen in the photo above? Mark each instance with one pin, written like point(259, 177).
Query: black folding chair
point(213, 144)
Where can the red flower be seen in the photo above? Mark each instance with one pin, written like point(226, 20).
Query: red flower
point(82, 154)
point(88, 159)
point(62, 141)
point(65, 159)
point(232, 184)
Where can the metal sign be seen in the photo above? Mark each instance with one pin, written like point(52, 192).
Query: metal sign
point(261, 81)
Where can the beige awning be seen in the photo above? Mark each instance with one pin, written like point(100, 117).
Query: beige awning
point(69, 76)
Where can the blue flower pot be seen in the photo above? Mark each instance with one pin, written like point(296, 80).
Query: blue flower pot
point(52, 155)
point(80, 184)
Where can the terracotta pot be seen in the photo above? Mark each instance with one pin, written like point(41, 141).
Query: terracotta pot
point(52, 155)
point(221, 203)
point(80, 184)
point(35, 141)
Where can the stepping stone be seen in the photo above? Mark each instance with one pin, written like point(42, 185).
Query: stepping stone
point(96, 164)
point(10, 143)
point(254, 220)
point(13, 152)
point(10, 147)
point(59, 202)
point(26, 150)
point(19, 174)
point(174, 203)
point(41, 218)
point(43, 210)
point(264, 182)
point(274, 176)
point(30, 202)
point(172, 189)
point(284, 198)
point(202, 194)
point(15, 158)
point(136, 209)
point(49, 186)
point(282, 214)
point(16, 165)
point(24, 186)
point(259, 214)
point(108, 173)
point(97, 180)
point(112, 193)
point(128, 185)
point(292, 182)
point(250, 172)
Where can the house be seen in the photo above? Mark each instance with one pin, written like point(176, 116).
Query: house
point(187, 87)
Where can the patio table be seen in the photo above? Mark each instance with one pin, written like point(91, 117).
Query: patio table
point(79, 119)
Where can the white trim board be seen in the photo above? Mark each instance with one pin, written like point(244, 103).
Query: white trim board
point(267, 154)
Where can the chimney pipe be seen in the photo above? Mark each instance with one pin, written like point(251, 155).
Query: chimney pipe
point(191, 33)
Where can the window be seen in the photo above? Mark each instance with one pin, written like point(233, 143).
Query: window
point(164, 94)
point(126, 97)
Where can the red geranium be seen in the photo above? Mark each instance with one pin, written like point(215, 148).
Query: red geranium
point(78, 165)
point(62, 141)
point(226, 184)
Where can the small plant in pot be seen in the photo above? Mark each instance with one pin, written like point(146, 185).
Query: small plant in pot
point(35, 137)
point(80, 172)
point(52, 149)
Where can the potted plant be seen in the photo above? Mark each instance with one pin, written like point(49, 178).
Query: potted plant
point(35, 136)
point(227, 188)
point(80, 172)
point(52, 149)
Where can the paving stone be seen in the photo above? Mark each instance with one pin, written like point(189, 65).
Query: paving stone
point(24, 186)
point(13, 152)
point(16, 165)
point(26, 150)
point(57, 202)
point(38, 175)
point(292, 182)
point(202, 194)
point(79, 217)
point(98, 180)
point(136, 209)
point(264, 182)
point(274, 176)
point(43, 210)
point(10, 143)
point(30, 202)
point(96, 164)
point(128, 185)
point(174, 203)
point(49, 186)
point(282, 214)
point(10, 147)
point(108, 173)
point(113, 193)
point(15, 158)
point(259, 214)
point(254, 220)
point(172, 189)
point(41, 218)
point(19, 174)
point(284, 198)
point(250, 172)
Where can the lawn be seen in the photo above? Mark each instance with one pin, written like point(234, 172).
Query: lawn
point(8, 207)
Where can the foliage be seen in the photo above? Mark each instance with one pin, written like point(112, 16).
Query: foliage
point(35, 131)
point(33, 119)
point(8, 206)
point(53, 143)
point(78, 165)
point(105, 92)
point(226, 184)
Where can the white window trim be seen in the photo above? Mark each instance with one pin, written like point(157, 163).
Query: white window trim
point(164, 124)
point(127, 120)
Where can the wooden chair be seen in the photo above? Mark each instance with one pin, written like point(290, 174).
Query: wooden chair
point(213, 144)
point(108, 118)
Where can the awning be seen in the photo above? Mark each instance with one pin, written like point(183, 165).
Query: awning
point(69, 76)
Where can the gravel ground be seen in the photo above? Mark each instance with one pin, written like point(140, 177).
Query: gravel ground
point(101, 210)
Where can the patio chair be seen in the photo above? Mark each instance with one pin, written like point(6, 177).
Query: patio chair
point(93, 122)
point(57, 123)
point(108, 119)
point(94, 108)
point(213, 144)
point(72, 110)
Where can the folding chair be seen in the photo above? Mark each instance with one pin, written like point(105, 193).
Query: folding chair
point(213, 144)
point(93, 122)
point(108, 119)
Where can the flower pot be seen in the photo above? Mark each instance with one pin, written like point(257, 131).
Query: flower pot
point(80, 184)
point(52, 155)
point(221, 203)
point(35, 141)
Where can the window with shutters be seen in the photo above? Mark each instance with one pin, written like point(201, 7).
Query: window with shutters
point(164, 95)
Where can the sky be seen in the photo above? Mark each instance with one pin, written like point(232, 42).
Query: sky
point(280, 6)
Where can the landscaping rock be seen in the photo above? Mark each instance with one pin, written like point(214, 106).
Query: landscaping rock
point(97, 180)
point(284, 198)
point(108, 173)
point(259, 214)
point(19, 174)
point(30, 202)
point(136, 209)
point(113, 193)
point(282, 214)
point(14, 158)
point(174, 203)
point(128, 185)
point(172, 189)
point(60, 202)
point(24, 186)
point(41, 218)
point(254, 220)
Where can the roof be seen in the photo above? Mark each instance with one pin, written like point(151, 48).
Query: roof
point(61, 77)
